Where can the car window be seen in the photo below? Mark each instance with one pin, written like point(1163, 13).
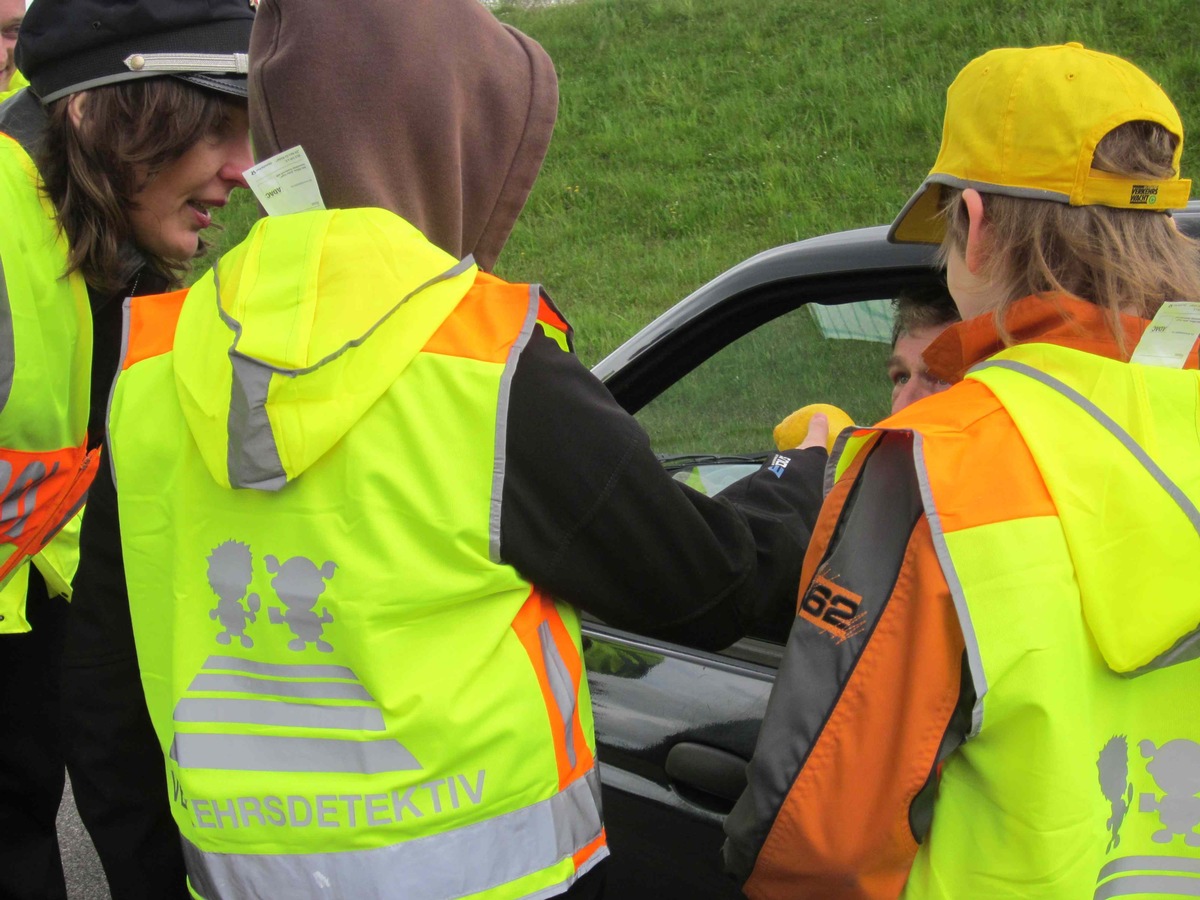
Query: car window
point(714, 425)
point(728, 406)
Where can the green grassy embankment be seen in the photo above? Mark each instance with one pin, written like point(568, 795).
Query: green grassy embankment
point(694, 133)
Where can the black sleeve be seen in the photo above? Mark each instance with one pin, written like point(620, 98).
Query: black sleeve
point(100, 628)
point(589, 514)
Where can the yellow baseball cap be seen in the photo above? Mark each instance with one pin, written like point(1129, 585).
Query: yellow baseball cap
point(1026, 121)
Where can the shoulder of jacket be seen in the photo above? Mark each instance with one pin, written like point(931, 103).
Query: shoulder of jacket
point(965, 407)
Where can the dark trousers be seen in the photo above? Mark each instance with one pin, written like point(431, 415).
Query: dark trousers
point(113, 755)
point(31, 755)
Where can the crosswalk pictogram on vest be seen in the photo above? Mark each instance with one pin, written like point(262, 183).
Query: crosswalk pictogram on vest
point(231, 692)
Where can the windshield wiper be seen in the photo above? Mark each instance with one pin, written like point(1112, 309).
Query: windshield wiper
point(709, 459)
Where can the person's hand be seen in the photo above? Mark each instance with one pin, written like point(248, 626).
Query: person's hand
point(818, 432)
point(814, 425)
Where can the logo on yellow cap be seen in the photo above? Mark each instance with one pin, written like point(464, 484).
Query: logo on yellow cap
point(1143, 195)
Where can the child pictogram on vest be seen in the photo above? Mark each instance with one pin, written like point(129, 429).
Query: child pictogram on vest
point(230, 571)
point(1114, 782)
point(298, 583)
point(1175, 767)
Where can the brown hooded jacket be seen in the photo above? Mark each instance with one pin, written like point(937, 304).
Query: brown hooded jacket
point(432, 109)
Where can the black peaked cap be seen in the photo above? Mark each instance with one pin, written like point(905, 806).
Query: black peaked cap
point(66, 46)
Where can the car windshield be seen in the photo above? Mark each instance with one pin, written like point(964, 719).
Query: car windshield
point(727, 407)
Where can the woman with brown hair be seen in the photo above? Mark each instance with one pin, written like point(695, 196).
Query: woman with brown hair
point(133, 129)
point(1014, 561)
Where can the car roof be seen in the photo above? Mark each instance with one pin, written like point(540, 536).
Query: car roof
point(835, 268)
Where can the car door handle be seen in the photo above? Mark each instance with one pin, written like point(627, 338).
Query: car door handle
point(715, 772)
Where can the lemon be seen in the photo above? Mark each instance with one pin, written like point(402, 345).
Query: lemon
point(792, 430)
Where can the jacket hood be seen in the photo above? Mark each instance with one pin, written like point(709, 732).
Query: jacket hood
point(280, 350)
point(429, 108)
point(1118, 449)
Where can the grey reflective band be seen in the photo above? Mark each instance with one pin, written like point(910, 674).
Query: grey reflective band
point(1150, 864)
point(464, 861)
point(500, 451)
point(126, 317)
point(309, 690)
point(253, 456)
point(1173, 490)
point(1144, 885)
point(271, 753)
point(970, 641)
point(560, 686)
point(8, 357)
point(835, 456)
point(188, 63)
point(21, 495)
point(277, 670)
point(279, 713)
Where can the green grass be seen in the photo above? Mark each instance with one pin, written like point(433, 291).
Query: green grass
point(694, 133)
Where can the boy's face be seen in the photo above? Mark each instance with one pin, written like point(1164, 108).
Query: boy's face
point(911, 379)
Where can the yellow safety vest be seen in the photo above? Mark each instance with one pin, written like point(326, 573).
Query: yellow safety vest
point(1082, 628)
point(45, 375)
point(16, 83)
point(354, 696)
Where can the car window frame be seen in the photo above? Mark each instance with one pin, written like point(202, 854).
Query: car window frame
point(654, 370)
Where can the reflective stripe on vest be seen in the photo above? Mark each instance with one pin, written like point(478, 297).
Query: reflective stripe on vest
point(254, 460)
point(378, 710)
point(468, 860)
point(1079, 780)
point(1176, 605)
point(45, 323)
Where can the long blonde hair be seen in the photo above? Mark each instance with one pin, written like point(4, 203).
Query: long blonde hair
point(1123, 260)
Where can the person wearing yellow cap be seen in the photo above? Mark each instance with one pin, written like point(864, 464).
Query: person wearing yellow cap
point(989, 690)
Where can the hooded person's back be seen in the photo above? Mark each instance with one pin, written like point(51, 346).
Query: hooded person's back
point(346, 645)
point(429, 108)
point(454, 153)
point(376, 484)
